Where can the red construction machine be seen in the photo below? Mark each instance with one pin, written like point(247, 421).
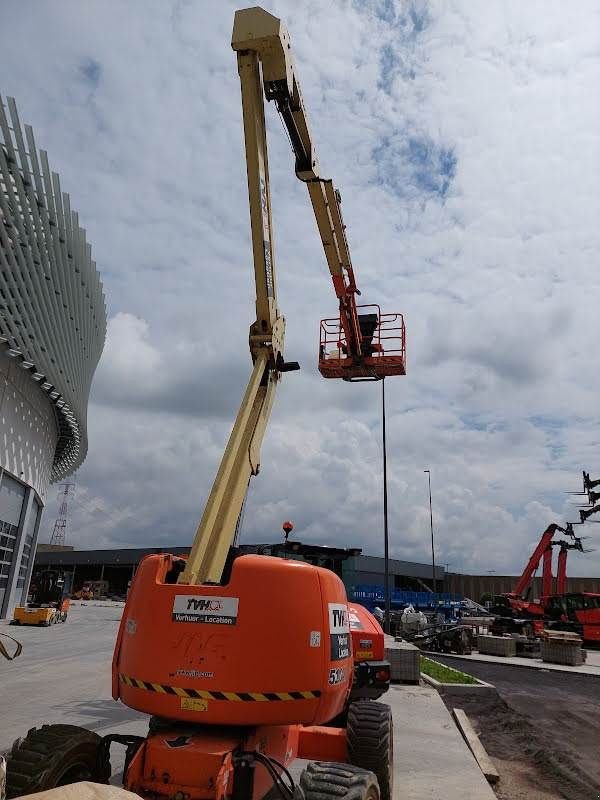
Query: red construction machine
point(518, 601)
point(556, 609)
point(241, 661)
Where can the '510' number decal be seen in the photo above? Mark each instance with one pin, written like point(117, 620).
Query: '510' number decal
point(337, 675)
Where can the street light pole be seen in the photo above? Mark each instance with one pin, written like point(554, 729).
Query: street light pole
point(386, 552)
point(433, 580)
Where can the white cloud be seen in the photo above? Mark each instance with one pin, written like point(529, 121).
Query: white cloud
point(129, 357)
point(464, 138)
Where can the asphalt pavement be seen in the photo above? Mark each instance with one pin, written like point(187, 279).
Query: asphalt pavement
point(591, 666)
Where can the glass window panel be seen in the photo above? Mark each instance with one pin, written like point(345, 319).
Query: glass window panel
point(12, 495)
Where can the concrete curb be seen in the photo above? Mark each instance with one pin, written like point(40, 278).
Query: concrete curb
point(479, 689)
point(486, 765)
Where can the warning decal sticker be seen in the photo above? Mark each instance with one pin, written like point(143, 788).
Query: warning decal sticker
point(205, 608)
point(339, 630)
point(355, 622)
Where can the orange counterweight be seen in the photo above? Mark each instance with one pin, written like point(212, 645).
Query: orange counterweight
point(270, 647)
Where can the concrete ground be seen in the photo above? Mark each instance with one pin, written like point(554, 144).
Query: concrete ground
point(431, 759)
point(591, 667)
point(63, 676)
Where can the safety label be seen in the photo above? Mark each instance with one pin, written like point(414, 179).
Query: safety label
point(264, 204)
point(355, 622)
point(339, 631)
point(205, 608)
point(338, 618)
point(190, 704)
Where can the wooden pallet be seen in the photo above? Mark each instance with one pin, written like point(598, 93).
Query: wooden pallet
point(564, 637)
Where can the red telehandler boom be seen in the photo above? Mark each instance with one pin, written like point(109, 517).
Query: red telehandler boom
point(517, 599)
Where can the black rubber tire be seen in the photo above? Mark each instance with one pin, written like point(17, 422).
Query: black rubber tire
point(50, 756)
point(370, 736)
point(15, 622)
point(327, 780)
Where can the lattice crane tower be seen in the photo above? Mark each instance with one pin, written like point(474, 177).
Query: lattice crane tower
point(60, 525)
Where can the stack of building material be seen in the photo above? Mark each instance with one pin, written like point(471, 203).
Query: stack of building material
point(563, 647)
point(496, 645)
point(405, 662)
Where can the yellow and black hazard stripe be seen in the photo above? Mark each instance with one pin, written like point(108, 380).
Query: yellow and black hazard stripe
point(240, 697)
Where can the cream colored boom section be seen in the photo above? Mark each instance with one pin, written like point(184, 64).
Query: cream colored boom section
point(52, 310)
point(259, 33)
point(266, 68)
point(241, 460)
point(216, 531)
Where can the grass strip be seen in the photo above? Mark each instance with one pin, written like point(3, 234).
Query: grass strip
point(444, 674)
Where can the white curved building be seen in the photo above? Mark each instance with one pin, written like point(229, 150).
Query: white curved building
point(52, 330)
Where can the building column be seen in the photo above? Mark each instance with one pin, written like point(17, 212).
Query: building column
point(10, 596)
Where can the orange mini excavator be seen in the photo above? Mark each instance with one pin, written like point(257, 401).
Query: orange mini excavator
point(243, 661)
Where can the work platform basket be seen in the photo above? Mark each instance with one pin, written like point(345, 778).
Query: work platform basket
point(383, 345)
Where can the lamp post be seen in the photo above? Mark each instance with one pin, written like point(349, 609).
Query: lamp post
point(386, 553)
point(433, 580)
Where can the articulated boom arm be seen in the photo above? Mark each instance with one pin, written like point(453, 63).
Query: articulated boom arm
point(543, 546)
point(361, 341)
point(217, 529)
point(543, 552)
point(561, 573)
point(260, 38)
point(547, 578)
point(365, 346)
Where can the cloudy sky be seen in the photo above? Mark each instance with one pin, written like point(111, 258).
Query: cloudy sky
point(465, 139)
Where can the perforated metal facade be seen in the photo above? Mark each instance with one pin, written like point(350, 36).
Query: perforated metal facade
point(52, 310)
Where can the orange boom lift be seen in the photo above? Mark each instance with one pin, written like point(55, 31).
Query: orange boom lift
point(243, 661)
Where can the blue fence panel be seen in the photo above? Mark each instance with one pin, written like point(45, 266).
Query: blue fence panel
point(373, 595)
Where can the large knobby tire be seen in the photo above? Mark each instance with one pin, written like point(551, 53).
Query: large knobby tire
point(325, 780)
point(370, 736)
point(2, 778)
point(50, 756)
